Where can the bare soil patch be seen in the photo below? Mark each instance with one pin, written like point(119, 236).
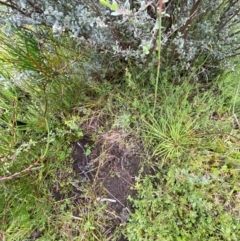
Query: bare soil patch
point(109, 165)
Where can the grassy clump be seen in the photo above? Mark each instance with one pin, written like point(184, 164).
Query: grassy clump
point(193, 194)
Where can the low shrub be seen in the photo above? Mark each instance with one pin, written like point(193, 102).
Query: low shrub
point(198, 37)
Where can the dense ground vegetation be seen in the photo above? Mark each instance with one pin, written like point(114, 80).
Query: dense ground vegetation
point(155, 106)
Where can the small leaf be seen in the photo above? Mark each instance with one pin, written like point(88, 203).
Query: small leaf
point(114, 6)
point(105, 3)
point(88, 152)
point(116, 13)
point(165, 14)
point(127, 5)
point(224, 168)
point(146, 49)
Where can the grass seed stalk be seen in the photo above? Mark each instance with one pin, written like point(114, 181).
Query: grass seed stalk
point(159, 8)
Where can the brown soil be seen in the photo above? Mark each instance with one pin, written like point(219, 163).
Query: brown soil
point(116, 169)
point(110, 170)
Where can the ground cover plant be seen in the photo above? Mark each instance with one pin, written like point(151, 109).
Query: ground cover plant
point(194, 193)
point(108, 136)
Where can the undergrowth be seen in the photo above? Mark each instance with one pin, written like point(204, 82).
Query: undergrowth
point(194, 192)
point(189, 134)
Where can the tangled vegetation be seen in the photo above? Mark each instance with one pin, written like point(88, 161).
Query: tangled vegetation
point(119, 120)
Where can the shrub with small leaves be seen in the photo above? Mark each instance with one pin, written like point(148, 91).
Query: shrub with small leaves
point(197, 36)
point(201, 36)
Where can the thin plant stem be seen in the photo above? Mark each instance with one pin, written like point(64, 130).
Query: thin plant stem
point(48, 140)
point(159, 52)
point(234, 104)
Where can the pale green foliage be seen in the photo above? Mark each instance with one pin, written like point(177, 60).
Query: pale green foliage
point(197, 36)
